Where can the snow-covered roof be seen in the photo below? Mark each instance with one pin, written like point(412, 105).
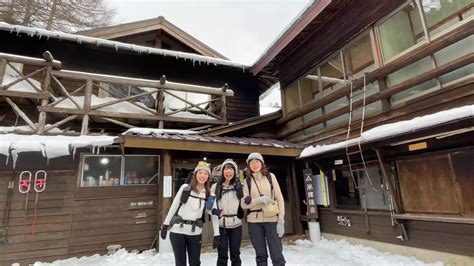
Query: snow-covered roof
point(49, 146)
point(41, 33)
point(394, 129)
point(156, 131)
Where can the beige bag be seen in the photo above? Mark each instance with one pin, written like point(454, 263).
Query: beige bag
point(271, 209)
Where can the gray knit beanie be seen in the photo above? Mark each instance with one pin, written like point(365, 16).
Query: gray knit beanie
point(254, 156)
point(203, 166)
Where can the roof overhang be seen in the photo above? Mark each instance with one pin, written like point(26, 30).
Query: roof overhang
point(437, 132)
point(296, 27)
point(150, 142)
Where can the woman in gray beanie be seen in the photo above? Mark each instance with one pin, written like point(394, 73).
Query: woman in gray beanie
point(184, 217)
point(266, 225)
point(228, 192)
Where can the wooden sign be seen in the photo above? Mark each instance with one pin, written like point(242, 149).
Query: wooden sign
point(417, 146)
point(141, 204)
point(343, 221)
point(312, 212)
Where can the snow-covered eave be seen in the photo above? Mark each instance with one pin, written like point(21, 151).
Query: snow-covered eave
point(395, 130)
point(50, 146)
point(197, 59)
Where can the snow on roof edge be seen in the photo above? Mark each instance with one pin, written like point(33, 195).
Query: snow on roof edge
point(117, 45)
point(49, 146)
point(157, 131)
point(393, 129)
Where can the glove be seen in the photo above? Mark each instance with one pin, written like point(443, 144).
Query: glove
point(217, 242)
point(248, 199)
point(164, 230)
point(263, 199)
point(280, 228)
point(217, 212)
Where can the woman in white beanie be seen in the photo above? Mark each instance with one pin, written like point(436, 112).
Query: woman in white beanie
point(228, 192)
point(266, 211)
point(184, 219)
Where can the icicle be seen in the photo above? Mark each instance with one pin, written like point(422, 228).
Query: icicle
point(14, 157)
point(8, 157)
point(116, 47)
point(194, 62)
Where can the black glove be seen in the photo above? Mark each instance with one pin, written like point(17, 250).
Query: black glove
point(248, 199)
point(217, 242)
point(217, 212)
point(238, 190)
point(164, 230)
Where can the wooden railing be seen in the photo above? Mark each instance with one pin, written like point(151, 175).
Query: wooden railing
point(56, 95)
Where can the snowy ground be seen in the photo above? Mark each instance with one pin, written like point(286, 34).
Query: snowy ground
point(303, 252)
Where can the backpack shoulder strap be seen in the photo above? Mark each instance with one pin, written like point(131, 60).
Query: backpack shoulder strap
point(270, 180)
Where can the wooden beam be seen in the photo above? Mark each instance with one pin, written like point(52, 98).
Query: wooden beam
point(65, 92)
point(128, 115)
point(142, 82)
point(23, 77)
point(98, 106)
point(293, 191)
point(3, 67)
point(188, 145)
point(434, 218)
point(20, 113)
point(397, 204)
point(123, 124)
point(422, 51)
point(57, 124)
point(30, 60)
point(193, 105)
point(22, 94)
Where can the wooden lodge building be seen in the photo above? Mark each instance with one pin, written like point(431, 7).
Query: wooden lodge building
point(348, 70)
point(354, 75)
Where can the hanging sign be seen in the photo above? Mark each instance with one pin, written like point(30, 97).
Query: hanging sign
point(312, 212)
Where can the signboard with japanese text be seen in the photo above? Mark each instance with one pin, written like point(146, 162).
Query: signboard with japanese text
point(312, 212)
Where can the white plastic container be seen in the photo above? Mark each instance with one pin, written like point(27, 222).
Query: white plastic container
point(165, 245)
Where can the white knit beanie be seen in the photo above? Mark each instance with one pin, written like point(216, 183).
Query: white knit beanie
point(203, 166)
point(254, 156)
point(231, 162)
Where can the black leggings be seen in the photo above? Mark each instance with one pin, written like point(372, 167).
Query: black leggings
point(230, 241)
point(182, 243)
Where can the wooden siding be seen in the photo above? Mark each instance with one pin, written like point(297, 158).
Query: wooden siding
point(53, 220)
point(445, 237)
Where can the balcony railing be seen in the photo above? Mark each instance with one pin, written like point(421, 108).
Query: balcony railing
point(115, 99)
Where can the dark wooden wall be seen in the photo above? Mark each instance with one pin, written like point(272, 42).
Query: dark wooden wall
point(445, 237)
point(72, 221)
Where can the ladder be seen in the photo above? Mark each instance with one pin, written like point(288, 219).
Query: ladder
point(354, 152)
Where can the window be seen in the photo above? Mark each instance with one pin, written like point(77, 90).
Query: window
point(452, 52)
point(401, 31)
point(444, 13)
point(374, 195)
point(332, 69)
point(409, 72)
point(346, 191)
point(117, 170)
point(291, 94)
point(358, 56)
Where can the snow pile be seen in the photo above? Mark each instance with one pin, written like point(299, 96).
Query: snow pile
point(49, 146)
point(393, 129)
point(157, 131)
point(120, 107)
point(41, 33)
point(303, 252)
point(270, 101)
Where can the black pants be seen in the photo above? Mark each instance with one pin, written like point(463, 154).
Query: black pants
point(262, 234)
point(182, 243)
point(230, 241)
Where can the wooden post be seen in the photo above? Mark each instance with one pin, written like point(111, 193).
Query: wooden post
point(165, 202)
point(3, 68)
point(295, 199)
point(383, 87)
point(161, 101)
point(86, 107)
point(42, 115)
point(223, 104)
point(397, 204)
